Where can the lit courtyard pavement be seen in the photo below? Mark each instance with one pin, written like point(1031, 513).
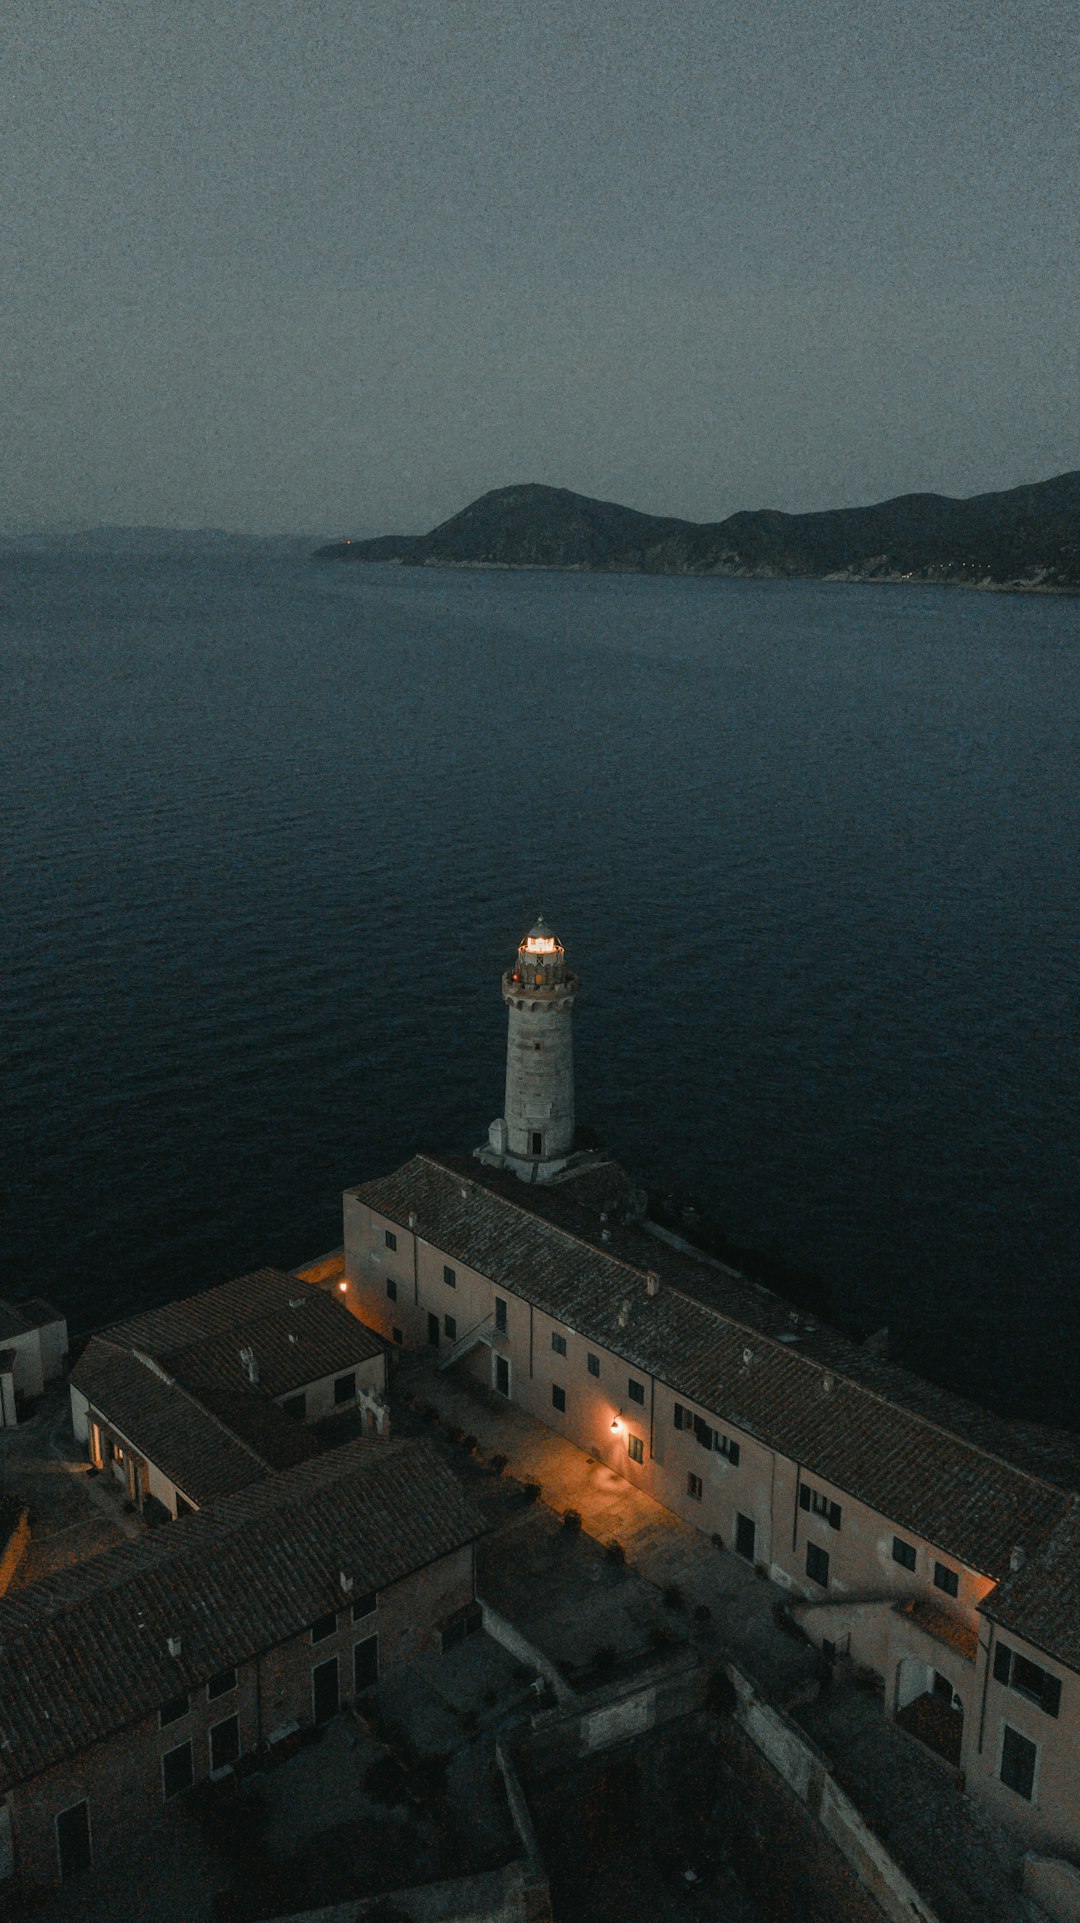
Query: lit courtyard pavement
point(562, 1591)
point(74, 1511)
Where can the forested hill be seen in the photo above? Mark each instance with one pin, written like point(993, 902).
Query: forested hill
point(1026, 537)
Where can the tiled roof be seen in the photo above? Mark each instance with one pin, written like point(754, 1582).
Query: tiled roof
point(190, 1446)
point(963, 1498)
point(207, 1427)
point(260, 1311)
point(85, 1653)
point(942, 1624)
point(1041, 1600)
point(575, 1205)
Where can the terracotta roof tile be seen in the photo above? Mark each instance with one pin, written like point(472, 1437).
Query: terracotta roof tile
point(85, 1652)
point(1041, 1601)
point(167, 1425)
point(824, 1413)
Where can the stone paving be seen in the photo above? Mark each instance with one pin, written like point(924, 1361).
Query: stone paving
point(75, 1512)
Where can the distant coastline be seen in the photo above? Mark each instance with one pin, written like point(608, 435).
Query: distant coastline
point(1024, 540)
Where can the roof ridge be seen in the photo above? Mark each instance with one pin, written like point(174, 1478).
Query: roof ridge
point(193, 1534)
point(761, 1335)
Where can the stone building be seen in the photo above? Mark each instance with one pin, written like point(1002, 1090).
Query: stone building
point(33, 1350)
point(910, 1531)
point(186, 1655)
point(197, 1399)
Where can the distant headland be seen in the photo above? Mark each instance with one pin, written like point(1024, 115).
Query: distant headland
point(1025, 539)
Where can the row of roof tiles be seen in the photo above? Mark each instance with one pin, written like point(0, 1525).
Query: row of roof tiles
point(86, 1652)
point(958, 1494)
point(173, 1380)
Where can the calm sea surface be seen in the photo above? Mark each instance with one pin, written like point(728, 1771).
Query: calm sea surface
point(273, 830)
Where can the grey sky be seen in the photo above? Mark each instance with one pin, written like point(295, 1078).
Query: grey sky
point(345, 266)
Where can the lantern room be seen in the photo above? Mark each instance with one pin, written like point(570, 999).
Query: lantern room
point(541, 959)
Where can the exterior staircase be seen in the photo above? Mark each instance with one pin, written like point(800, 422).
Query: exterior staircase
point(482, 1331)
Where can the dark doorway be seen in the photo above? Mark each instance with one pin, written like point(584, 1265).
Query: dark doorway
point(324, 1690)
point(433, 1330)
point(502, 1375)
point(744, 1537)
point(73, 1840)
point(537, 1143)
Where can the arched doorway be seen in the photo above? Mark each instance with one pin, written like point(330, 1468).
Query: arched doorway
point(929, 1708)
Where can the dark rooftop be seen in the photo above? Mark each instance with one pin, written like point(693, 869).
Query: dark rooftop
point(241, 1577)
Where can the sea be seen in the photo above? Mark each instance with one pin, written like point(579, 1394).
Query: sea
point(273, 829)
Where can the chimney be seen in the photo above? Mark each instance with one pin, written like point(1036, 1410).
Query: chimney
point(251, 1367)
point(174, 1646)
point(346, 1583)
point(413, 1219)
point(1017, 1559)
point(652, 1283)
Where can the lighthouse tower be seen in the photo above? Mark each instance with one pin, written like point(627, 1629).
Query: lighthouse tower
point(535, 1135)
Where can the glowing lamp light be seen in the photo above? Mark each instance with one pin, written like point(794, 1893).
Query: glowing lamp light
point(343, 1286)
point(541, 945)
point(615, 1425)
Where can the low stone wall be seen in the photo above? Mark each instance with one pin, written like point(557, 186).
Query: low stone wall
point(519, 1646)
point(805, 1770)
point(615, 1713)
point(1054, 1885)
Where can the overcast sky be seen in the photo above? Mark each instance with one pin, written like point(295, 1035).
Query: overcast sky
point(342, 267)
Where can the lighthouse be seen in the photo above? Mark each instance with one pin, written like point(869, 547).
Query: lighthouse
point(535, 1134)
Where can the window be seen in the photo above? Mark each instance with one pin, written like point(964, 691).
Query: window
point(946, 1579)
point(220, 1684)
point(296, 1406)
point(635, 1448)
point(817, 1564)
point(500, 1316)
point(592, 1363)
point(172, 1711)
point(558, 1343)
point(363, 1606)
point(694, 1486)
point(224, 1744)
point(73, 1840)
point(727, 1447)
point(398, 1336)
point(537, 1143)
point(345, 1388)
point(325, 1627)
point(449, 1276)
point(324, 1690)
point(819, 1505)
point(1018, 1757)
point(558, 1396)
point(177, 1774)
point(703, 1434)
point(390, 1238)
point(365, 1663)
point(391, 1289)
point(450, 1327)
point(683, 1417)
point(1027, 1678)
point(635, 1390)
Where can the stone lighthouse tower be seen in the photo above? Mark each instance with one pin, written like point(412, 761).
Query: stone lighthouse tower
point(535, 1135)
